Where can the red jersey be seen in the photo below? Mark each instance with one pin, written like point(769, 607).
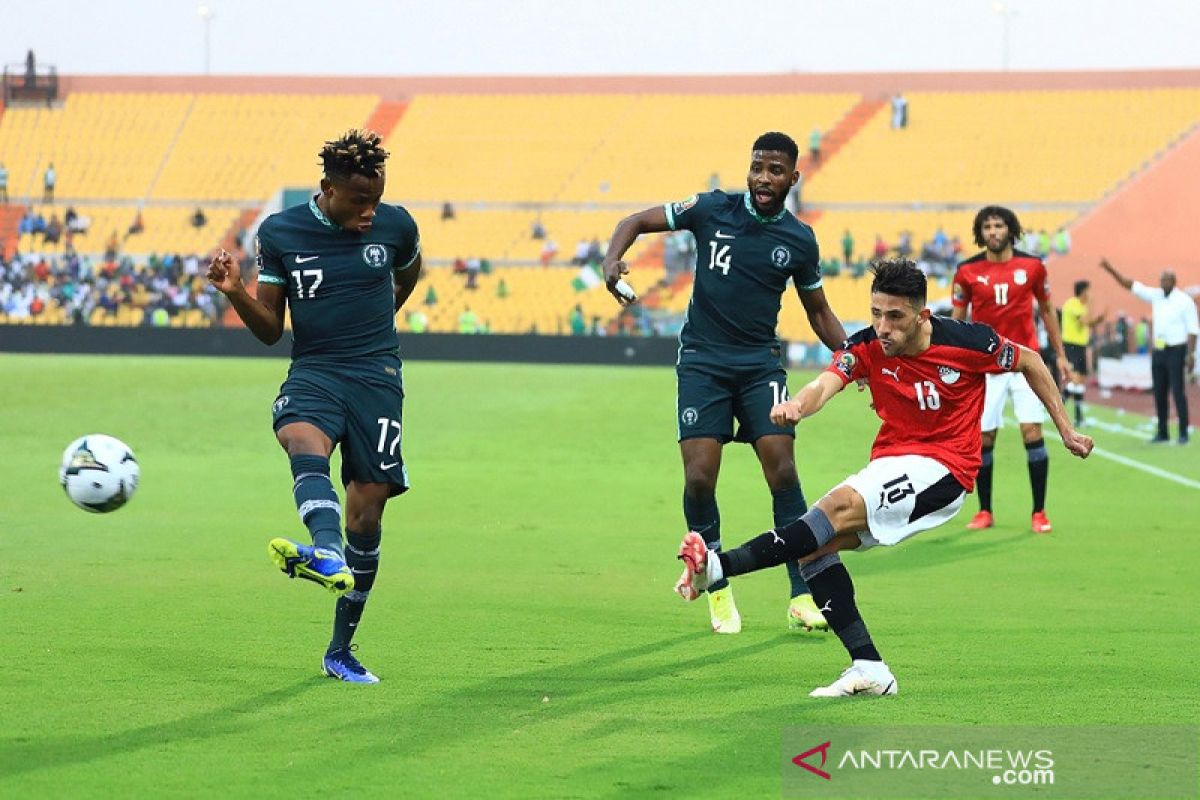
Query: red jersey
point(930, 403)
point(1001, 294)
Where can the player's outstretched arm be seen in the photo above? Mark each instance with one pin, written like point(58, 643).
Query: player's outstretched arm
point(1054, 334)
point(1111, 270)
point(652, 220)
point(1030, 364)
point(808, 401)
point(263, 315)
point(821, 318)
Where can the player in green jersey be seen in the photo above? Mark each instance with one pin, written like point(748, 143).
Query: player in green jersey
point(343, 263)
point(729, 368)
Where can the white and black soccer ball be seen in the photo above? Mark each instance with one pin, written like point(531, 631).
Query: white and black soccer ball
point(99, 473)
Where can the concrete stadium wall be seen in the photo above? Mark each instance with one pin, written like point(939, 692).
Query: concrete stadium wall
point(50, 339)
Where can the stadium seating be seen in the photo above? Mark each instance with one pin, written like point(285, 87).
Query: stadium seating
point(167, 229)
point(1006, 147)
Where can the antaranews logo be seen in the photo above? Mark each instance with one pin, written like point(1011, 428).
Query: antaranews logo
point(823, 749)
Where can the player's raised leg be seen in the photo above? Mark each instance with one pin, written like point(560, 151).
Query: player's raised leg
point(322, 562)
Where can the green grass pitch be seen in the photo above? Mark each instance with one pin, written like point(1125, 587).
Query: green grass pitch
point(523, 622)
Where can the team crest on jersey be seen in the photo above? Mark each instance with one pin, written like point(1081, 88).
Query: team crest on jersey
point(960, 294)
point(685, 204)
point(844, 362)
point(375, 255)
point(1020, 276)
point(280, 404)
point(689, 416)
point(781, 256)
point(1007, 356)
point(949, 375)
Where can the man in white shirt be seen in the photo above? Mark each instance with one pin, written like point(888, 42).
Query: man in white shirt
point(1175, 328)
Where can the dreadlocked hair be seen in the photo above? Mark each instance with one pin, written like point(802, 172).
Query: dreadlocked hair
point(357, 152)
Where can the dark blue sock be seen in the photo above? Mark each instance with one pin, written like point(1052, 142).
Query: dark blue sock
point(983, 481)
point(317, 502)
point(788, 506)
point(362, 556)
point(703, 517)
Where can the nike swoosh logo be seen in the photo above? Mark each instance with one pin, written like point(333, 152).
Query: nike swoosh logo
point(305, 259)
point(724, 235)
point(382, 465)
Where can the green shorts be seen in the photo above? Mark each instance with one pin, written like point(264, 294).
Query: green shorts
point(715, 388)
point(358, 404)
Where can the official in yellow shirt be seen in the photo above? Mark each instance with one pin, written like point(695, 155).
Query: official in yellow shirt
point(1076, 335)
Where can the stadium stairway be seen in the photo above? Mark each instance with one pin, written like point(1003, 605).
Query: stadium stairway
point(842, 132)
point(385, 117)
point(10, 221)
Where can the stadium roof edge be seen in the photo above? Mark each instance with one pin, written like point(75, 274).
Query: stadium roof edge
point(403, 87)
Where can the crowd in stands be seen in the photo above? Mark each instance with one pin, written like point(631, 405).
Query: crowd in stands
point(74, 288)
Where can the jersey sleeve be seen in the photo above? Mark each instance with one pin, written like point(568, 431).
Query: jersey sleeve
point(960, 295)
point(981, 349)
point(1041, 284)
point(408, 241)
point(267, 258)
point(1143, 292)
point(849, 363)
point(806, 273)
point(690, 212)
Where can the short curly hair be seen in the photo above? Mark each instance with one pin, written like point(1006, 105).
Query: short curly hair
point(357, 152)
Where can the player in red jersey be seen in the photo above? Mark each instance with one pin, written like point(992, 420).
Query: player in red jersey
point(1000, 286)
point(926, 377)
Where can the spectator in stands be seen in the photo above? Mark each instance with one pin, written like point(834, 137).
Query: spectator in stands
point(814, 146)
point(904, 246)
point(473, 273)
point(881, 248)
point(30, 70)
point(581, 253)
point(3, 184)
point(112, 247)
point(447, 211)
point(847, 247)
point(1176, 328)
point(26, 224)
point(576, 321)
point(549, 251)
point(54, 230)
point(502, 290)
point(199, 220)
point(899, 111)
point(431, 297)
point(537, 231)
point(468, 321)
point(1141, 336)
point(49, 179)
point(418, 322)
point(1062, 241)
point(137, 226)
point(1043, 243)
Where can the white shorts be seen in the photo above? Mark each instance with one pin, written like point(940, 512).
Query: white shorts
point(1026, 405)
point(904, 495)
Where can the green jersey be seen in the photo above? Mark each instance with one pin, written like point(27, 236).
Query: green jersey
point(743, 263)
point(339, 283)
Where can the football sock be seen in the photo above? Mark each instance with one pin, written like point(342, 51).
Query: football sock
point(833, 592)
point(788, 505)
point(362, 556)
point(983, 482)
point(317, 501)
point(703, 517)
point(791, 542)
point(1039, 470)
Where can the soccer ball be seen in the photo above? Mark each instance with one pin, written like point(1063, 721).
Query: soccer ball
point(98, 473)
